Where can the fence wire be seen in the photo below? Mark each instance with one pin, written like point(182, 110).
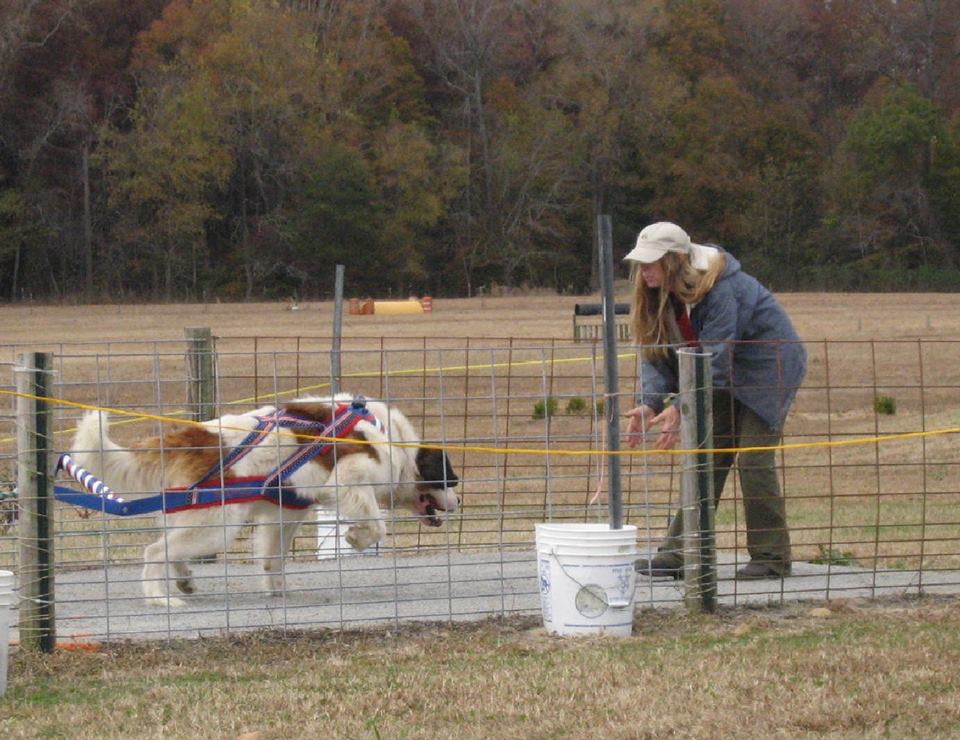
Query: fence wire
point(869, 466)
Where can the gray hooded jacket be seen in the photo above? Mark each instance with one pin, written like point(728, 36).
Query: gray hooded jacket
point(756, 351)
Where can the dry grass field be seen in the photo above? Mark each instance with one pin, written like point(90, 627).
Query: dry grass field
point(843, 669)
point(473, 371)
point(847, 670)
point(818, 316)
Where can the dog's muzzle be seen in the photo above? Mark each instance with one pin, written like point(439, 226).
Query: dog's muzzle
point(432, 501)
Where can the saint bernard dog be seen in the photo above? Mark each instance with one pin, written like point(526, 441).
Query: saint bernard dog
point(353, 456)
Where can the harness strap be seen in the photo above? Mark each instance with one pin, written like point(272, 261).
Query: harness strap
point(211, 489)
point(259, 433)
point(171, 501)
point(265, 425)
point(345, 418)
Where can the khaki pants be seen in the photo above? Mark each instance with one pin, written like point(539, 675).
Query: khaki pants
point(734, 425)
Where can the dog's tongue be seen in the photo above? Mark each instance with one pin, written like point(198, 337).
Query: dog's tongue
point(428, 510)
point(432, 518)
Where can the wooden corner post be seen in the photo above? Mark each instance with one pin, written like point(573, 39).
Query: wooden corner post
point(35, 472)
point(201, 390)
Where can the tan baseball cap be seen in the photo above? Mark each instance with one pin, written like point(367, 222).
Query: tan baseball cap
point(662, 237)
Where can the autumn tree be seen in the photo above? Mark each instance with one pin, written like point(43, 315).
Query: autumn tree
point(463, 48)
point(603, 80)
point(900, 162)
point(50, 111)
point(241, 147)
point(161, 177)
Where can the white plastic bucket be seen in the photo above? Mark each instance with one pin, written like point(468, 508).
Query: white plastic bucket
point(7, 600)
point(587, 578)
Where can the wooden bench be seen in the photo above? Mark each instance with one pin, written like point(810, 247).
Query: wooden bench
point(588, 322)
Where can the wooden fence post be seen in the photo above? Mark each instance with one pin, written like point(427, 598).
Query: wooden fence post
point(201, 389)
point(696, 482)
point(35, 496)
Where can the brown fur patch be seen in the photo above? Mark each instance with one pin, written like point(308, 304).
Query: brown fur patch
point(344, 448)
point(322, 413)
point(191, 451)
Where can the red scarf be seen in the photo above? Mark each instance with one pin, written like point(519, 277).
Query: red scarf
point(686, 328)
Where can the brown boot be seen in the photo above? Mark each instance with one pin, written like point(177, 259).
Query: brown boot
point(661, 565)
point(759, 570)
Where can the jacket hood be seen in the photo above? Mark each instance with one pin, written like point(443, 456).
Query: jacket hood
point(733, 264)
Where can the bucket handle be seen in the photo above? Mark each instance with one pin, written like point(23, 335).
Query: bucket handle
point(612, 603)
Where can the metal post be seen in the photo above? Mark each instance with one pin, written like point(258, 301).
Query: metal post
point(35, 495)
point(696, 481)
point(201, 395)
point(611, 402)
point(337, 332)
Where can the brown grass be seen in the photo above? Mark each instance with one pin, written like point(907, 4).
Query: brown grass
point(879, 503)
point(848, 669)
point(818, 316)
point(853, 670)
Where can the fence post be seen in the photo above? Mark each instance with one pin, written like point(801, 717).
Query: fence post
point(337, 331)
point(35, 497)
point(201, 391)
point(696, 481)
point(612, 378)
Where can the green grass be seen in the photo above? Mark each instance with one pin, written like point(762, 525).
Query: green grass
point(885, 405)
point(546, 407)
point(830, 556)
point(852, 669)
point(576, 405)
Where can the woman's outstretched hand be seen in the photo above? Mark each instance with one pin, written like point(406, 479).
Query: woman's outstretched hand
point(643, 418)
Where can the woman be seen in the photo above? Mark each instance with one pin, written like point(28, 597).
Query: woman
point(689, 294)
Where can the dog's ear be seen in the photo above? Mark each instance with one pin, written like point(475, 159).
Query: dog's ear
point(317, 411)
point(435, 469)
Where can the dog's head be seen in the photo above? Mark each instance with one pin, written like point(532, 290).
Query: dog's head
point(434, 485)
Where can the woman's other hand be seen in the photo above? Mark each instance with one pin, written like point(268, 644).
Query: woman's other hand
point(643, 418)
point(638, 424)
point(670, 431)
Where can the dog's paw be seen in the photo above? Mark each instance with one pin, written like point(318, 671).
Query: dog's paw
point(274, 585)
point(362, 536)
point(164, 602)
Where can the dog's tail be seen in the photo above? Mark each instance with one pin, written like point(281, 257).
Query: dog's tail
point(91, 435)
point(94, 450)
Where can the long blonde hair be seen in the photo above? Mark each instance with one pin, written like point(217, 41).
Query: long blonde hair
point(651, 305)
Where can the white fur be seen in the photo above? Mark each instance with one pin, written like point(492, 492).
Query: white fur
point(356, 487)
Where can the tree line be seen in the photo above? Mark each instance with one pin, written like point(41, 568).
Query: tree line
point(239, 149)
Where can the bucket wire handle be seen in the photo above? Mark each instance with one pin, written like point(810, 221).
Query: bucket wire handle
point(612, 604)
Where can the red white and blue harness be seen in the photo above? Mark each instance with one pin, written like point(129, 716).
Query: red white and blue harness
point(211, 489)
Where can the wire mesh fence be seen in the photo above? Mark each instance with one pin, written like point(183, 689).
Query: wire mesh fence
point(869, 466)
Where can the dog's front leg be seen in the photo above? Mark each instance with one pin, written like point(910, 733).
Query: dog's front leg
point(359, 504)
point(362, 535)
